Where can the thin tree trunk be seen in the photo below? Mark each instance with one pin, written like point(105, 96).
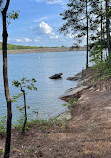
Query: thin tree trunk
point(6, 85)
point(108, 28)
point(87, 34)
point(25, 108)
point(101, 31)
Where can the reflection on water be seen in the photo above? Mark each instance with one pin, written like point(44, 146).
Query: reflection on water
point(40, 66)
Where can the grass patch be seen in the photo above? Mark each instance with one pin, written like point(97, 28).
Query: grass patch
point(2, 125)
point(41, 123)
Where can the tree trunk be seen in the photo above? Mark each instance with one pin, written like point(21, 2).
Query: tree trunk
point(6, 85)
point(101, 31)
point(87, 34)
point(25, 108)
point(108, 28)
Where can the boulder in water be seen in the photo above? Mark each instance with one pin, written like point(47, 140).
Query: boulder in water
point(56, 76)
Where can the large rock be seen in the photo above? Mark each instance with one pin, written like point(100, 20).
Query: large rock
point(56, 76)
point(73, 93)
point(73, 78)
point(77, 77)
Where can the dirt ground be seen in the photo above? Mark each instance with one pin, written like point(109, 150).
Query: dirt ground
point(86, 135)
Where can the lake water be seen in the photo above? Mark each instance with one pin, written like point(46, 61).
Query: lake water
point(40, 66)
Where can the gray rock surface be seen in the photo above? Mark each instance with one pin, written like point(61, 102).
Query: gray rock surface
point(73, 78)
point(77, 77)
point(73, 91)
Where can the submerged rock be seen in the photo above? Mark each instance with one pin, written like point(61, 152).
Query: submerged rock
point(56, 76)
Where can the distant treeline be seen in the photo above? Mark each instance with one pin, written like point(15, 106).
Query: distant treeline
point(14, 47)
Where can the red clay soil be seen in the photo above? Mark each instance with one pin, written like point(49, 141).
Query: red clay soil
point(86, 135)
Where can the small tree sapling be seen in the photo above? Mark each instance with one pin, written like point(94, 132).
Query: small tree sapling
point(23, 85)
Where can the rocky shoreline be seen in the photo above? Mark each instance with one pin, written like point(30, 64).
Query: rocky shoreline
point(43, 50)
point(72, 92)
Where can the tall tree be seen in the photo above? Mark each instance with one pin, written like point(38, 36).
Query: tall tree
point(87, 33)
point(101, 29)
point(101, 39)
point(5, 77)
point(97, 44)
point(108, 27)
point(77, 20)
point(13, 15)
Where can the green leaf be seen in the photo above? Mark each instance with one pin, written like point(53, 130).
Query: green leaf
point(23, 79)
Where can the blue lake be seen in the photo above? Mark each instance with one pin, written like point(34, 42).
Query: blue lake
point(40, 66)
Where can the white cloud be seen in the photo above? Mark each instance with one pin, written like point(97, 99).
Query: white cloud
point(99, 28)
point(27, 40)
point(52, 1)
point(36, 39)
point(45, 28)
point(53, 36)
point(71, 36)
point(18, 40)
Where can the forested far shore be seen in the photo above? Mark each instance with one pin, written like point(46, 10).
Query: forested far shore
point(47, 49)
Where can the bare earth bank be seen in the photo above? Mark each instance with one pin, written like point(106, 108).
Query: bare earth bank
point(41, 50)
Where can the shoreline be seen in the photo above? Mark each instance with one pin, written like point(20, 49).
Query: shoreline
point(67, 114)
point(44, 50)
point(64, 115)
point(86, 134)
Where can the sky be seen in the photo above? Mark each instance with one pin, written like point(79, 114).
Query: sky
point(38, 23)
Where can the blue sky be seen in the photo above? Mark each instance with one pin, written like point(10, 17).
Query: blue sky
point(38, 23)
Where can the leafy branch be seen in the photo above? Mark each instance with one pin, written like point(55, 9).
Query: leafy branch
point(24, 84)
